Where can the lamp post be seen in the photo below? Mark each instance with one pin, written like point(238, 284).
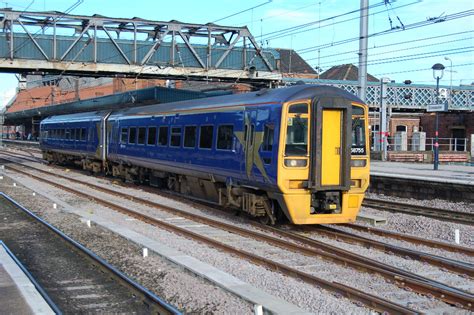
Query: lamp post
point(438, 71)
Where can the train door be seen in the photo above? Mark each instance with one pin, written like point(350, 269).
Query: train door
point(104, 137)
point(250, 120)
point(330, 144)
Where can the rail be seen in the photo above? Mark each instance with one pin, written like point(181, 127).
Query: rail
point(413, 239)
point(435, 213)
point(155, 303)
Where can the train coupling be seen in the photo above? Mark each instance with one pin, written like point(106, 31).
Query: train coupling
point(326, 202)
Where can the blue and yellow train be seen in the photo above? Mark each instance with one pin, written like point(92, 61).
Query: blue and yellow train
point(299, 152)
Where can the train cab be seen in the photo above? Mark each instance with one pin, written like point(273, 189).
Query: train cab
point(323, 168)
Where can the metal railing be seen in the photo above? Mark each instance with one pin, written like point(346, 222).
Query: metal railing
point(415, 144)
point(448, 144)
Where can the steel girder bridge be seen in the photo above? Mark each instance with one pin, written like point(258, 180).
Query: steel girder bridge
point(53, 42)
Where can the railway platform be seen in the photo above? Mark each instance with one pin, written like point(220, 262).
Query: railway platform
point(459, 174)
point(18, 294)
point(420, 181)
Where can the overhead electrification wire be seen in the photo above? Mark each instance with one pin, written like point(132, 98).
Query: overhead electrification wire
point(397, 50)
point(279, 14)
point(391, 44)
point(423, 69)
point(304, 25)
point(240, 12)
point(429, 21)
point(290, 33)
point(42, 29)
point(453, 51)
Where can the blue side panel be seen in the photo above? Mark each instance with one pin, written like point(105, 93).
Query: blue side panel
point(87, 145)
point(225, 163)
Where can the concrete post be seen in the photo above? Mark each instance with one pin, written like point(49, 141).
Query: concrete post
point(363, 41)
point(383, 117)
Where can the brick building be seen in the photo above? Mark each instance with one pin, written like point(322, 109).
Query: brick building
point(453, 125)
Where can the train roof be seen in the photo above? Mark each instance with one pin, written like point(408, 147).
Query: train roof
point(79, 117)
point(269, 96)
point(266, 96)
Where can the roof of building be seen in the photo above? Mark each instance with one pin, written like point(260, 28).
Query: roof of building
point(291, 62)
point(346, 72)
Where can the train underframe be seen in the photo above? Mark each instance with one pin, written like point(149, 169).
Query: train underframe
point(254, 202)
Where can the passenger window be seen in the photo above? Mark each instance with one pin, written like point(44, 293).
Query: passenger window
point(83, 134)
point(141, 135)
point(124, 135)
point(78, 134)
point(205, 137)
point(190, 136)
point(175, 137)
point(163, 137)
point(225, 135)
point(151, 136)
point(268, 134)
point(67, 134)
point(132, 135)
point(73, 134)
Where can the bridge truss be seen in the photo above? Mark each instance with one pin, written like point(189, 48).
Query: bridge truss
point(54, 42)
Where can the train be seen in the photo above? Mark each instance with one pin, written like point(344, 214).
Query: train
point(298, 153)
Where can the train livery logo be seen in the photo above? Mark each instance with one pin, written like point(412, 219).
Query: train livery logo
point(252, 157)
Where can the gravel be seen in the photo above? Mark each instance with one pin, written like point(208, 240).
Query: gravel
point(424, 227)
point(305, 296)
point(405, 263)
point(293, 291)
point(153, 272)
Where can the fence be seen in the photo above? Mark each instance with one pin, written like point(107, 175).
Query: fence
point(401, 142)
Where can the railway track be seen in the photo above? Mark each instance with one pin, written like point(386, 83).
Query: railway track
point(62, 267)
point(27, 146)
point(310, 248)
point(459, 267)
point(436, 213)
point(412, 239)
point(29, 157)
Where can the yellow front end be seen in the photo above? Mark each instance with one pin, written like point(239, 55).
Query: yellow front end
point(294, 166)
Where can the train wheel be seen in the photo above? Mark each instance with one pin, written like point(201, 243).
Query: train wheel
point(271, 209)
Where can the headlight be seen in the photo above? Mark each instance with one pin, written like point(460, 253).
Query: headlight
point(296, 162)
point(358, 163)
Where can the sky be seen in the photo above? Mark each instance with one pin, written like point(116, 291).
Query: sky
point(404, 53)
